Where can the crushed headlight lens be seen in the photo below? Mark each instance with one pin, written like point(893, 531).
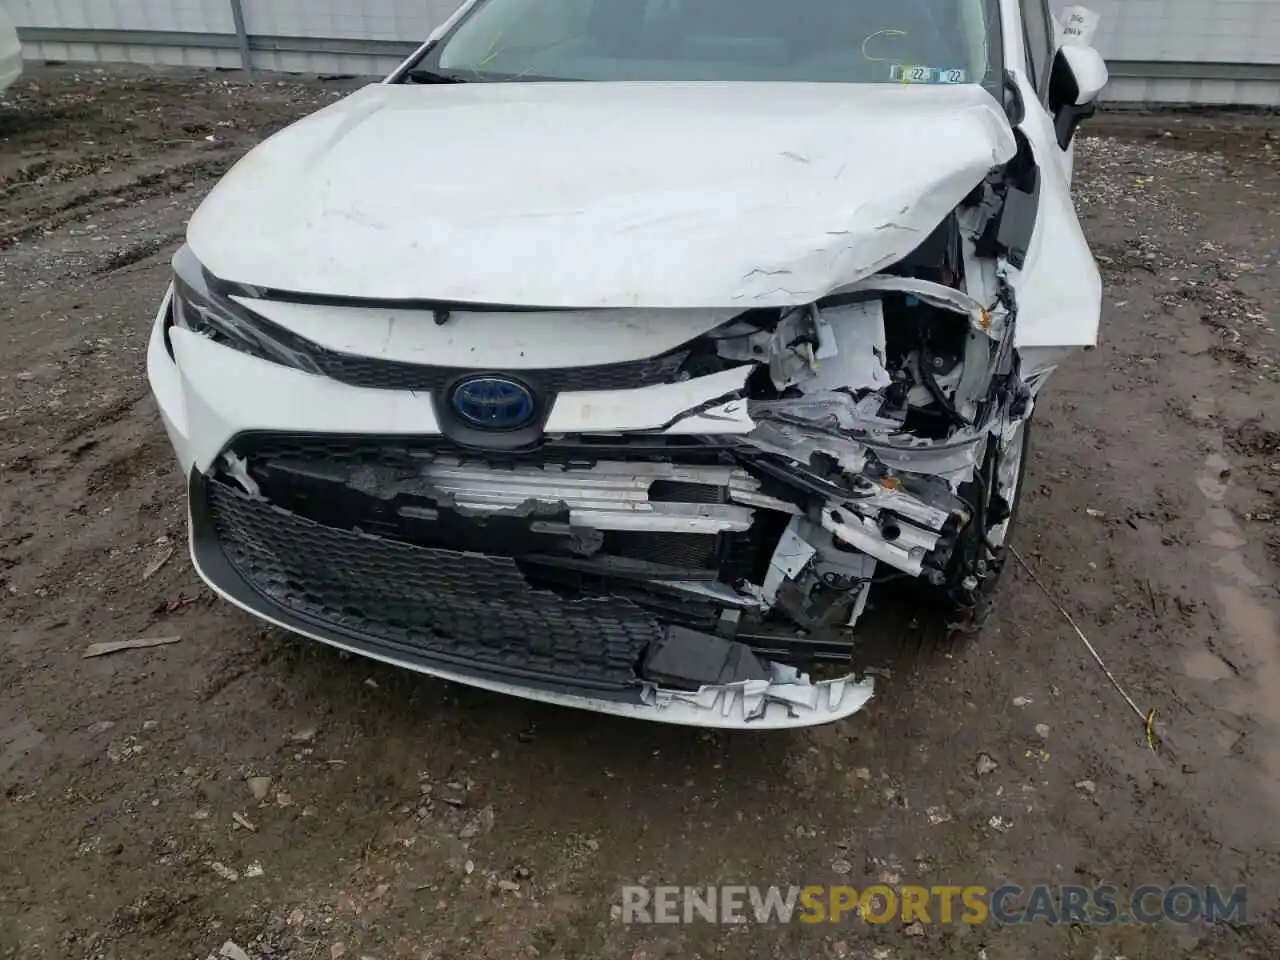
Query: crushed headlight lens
point(203, 310)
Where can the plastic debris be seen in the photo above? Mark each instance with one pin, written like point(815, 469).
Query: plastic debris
point(225, 872)
point(231, 951)
point(259, 787)
point(986, 764)
point(154, 566)
point(938, 815)
point(116, 646)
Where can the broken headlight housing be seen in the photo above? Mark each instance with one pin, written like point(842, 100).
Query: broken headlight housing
point(204, 306)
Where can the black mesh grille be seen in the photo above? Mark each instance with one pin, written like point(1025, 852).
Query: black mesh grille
point(407, 450)
point(394, 375)
point(671, 549)
point(458, 607)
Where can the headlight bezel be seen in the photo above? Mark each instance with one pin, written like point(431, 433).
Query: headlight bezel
point(203, 305)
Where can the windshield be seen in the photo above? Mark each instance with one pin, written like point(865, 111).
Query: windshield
point(851, 41)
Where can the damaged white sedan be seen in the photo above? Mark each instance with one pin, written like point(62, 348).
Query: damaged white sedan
point(611, 351)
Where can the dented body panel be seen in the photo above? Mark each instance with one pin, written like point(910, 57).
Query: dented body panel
point(636, 424)
point(779, 192)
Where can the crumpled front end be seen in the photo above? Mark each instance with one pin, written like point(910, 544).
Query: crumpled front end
point(674, 514)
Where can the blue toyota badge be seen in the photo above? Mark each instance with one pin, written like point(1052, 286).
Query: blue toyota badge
point(493, 403)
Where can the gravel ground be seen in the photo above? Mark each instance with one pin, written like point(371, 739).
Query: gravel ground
point(244, 786)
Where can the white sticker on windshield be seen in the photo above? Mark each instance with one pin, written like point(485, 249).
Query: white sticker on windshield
point(909, 73)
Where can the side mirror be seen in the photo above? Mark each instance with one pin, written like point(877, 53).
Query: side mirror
point(1079, 76)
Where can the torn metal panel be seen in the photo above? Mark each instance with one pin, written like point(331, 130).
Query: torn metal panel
point(863, 533)
point(984, 319)
point(732, 417)
point(814, 582)
point(790, 698)
point(953, 462)
point(605, 496)
point(800, 442)
point(790, 558)
point(851, 351)
point(712, 402)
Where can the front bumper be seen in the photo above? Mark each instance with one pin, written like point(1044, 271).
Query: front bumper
point(461, 616)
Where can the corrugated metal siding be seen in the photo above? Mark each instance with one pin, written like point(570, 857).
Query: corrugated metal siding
point(1137, 35)
point(1189, 31)
point(184, 16)
point(343, 64)
point(366, 20)
point(404, 20)
point(196, 16)
point(1142, 32)
point(1253, 93)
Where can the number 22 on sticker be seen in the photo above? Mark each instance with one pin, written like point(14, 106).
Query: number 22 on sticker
point(907, 73)
point(911, 74)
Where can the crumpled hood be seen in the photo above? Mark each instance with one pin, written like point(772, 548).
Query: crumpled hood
point(600, 194)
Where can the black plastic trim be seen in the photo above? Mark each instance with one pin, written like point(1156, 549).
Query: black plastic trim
point(376, 373)
point(215, 567)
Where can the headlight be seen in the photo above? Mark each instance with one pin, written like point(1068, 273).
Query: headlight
point(200, 307)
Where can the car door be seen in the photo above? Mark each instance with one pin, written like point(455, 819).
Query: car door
point(1040, 45)
point(1059, 290)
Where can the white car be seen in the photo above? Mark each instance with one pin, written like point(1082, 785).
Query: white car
point(10, 52)
point(610, 352)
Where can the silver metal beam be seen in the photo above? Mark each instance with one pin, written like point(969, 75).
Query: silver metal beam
point(1189, 70)
point(144, 38)
point(242, 36)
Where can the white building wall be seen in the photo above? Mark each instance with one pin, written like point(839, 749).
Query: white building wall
point(1193, 51)
point(1192, 31)
point(197, 16)
point(1155, 45)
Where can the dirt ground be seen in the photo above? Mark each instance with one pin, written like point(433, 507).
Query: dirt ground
point(405, 818)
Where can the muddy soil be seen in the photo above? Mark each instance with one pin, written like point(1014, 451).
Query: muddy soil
point(243, 785)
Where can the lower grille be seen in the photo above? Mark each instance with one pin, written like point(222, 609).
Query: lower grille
point(454, 607)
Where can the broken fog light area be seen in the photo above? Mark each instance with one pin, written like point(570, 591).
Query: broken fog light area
point(598, 627)
point(676, 526)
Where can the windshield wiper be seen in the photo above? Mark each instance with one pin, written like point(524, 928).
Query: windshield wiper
point(420, 75)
